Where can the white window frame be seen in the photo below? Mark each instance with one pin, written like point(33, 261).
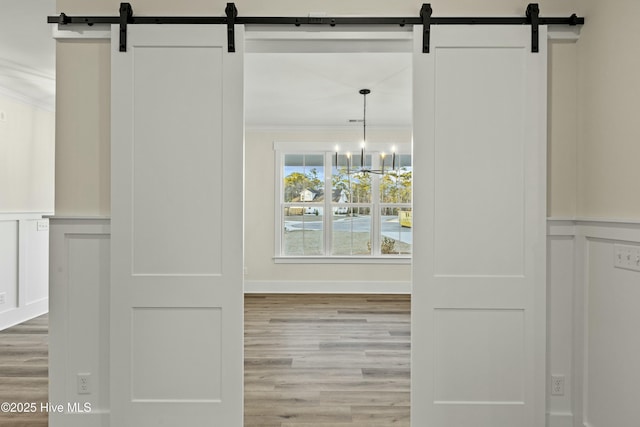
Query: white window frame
point(328, 150)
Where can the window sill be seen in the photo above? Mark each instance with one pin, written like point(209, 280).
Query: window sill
point(400, 259)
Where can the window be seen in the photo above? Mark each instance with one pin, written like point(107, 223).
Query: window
point(328, 208)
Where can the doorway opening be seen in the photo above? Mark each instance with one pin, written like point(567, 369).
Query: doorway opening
point(327, 334)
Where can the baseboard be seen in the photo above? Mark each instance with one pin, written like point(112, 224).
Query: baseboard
point(559, 419)
point(309, 287)
point(22, 314)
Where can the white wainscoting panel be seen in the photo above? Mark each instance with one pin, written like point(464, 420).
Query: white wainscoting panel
point(79, 318)
point(560, 317)
point(600, 363)
point(611, 338)
point(24, 263)
point(9, 264)
point(34, 241)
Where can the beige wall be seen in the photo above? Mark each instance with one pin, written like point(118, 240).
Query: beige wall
point(562, 130)
point(26, 158)
point(609, 100)
point(260, 211)
point(83, 86)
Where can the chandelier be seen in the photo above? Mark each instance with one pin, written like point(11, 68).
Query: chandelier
point(362, 169)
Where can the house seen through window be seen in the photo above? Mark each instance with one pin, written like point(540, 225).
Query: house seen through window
point(330, 207)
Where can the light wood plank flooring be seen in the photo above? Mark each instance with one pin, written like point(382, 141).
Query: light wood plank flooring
point(327, 360)
point(310, 361)
point(24, 373)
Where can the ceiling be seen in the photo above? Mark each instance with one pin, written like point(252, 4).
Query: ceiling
point(322, 89)
point(281, 89)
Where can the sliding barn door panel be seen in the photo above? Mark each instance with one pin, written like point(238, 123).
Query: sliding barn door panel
point(479, 225)
point(177, 227)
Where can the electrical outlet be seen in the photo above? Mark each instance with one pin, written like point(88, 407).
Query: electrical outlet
point(84, 383)
point(42, 225)
point(3, 298)
point(626, 257)
point(557, 385)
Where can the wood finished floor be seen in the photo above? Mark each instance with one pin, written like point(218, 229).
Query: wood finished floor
point(327, 360)
point(310, 361)
point(24, 371)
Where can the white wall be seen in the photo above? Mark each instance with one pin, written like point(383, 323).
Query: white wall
point(26, 194)
point(24, 261)
point(26, 157)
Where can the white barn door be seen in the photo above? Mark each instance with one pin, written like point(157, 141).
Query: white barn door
point(177, 227)
point(478, 308)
